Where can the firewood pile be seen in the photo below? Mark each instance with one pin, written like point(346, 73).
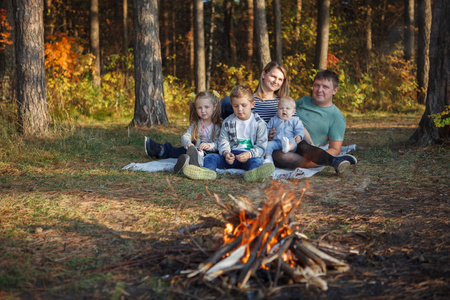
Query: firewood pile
point(264, 242)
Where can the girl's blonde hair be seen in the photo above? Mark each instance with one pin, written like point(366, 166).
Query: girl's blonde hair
point(284, 89)
point(215, 118)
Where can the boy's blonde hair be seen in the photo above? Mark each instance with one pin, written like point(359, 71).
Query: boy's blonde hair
point(242, 91)
point(194, 118)
point(284, 89)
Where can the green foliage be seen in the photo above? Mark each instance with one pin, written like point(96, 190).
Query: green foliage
point(176, 96)
point(389, 85)
point(230, 76)
point(442, 119)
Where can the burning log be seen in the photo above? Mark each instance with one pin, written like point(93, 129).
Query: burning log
point(262, 238)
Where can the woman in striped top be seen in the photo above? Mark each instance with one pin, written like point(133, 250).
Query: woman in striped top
point(273, 84)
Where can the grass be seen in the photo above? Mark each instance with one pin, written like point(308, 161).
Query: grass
point(68, 210)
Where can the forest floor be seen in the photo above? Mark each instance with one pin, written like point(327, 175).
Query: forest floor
point(74, 225)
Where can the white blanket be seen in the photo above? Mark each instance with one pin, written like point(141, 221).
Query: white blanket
point(168, 164)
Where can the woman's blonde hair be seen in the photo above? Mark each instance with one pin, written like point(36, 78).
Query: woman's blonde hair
point(284, 89)
point(215, 118)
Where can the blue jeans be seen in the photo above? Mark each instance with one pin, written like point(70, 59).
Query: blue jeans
point(172, 152)
point(225, 107)
point(217, 161)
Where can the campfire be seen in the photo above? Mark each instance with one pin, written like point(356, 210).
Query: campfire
point(265, 241)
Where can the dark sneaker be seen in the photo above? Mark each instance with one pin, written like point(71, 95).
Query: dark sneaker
point(194, 156)
point(199, 173)
point(262, 172)
point(183, 160)
point(152, 148)
point(350, 158)
point(340, 164)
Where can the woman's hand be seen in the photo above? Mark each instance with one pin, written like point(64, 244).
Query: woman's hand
point(272, 134)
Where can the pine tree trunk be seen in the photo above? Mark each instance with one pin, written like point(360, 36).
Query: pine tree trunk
point(199, 45)
point(30, 66)
point(438, 94)
point(262, 35)
point(250, 32)
point(125, 27)
point(423, 45)
point(95, 42)
point(298, 18)
point(368, 27)
point(323, 29)
point(409, 29)
point(149, 108)
point(211, 46)
point(278, 32)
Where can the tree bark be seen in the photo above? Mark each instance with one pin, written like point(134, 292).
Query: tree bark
point(250, 32)
point(423, 48)
point(323, 29)
point(298, 18)
point(211, 46)
point(262, 35)
point(438, 94)
point(30, 66)
point(191, 46)
point(199, 45)
point(409, 29)
point(368, 27)
point(95, 42)
point(125, 27)
point(278, 32)
point(150, 108)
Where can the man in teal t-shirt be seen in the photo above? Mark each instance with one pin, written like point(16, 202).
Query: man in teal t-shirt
point(325, 124)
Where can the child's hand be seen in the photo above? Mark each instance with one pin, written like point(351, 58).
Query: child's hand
point(297, 139)
point(272, 134)
point(229, 157)
point(243, 157)
point(203, 146)
point(187, 147)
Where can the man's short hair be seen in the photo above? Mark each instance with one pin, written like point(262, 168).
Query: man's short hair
point(328, 75)
point(242, 91)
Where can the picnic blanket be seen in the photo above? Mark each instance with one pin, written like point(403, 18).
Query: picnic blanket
point(168, 164)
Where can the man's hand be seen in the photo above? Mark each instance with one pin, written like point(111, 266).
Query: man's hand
point(272, 134)
point(243, 157)
point(229, 157)
point(297, 139)
point(203, 146)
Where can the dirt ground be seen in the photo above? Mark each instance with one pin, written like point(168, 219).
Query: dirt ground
point(102, 233)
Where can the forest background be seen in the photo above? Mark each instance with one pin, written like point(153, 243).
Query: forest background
point(374, 46)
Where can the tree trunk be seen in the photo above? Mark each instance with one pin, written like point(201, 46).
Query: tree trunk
point(191, 46)
point(298, 18)
point(149, 108)
point(323, 29)
point(262, 35)
point(211, 46)
point(199, 45)
point(30, 66)
point(250, 33)
point(409, 29)
point(125, 27)
point(423, 48)
point(368, 48)
point(438, 94)
point(95, 42)
point(278, 33)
